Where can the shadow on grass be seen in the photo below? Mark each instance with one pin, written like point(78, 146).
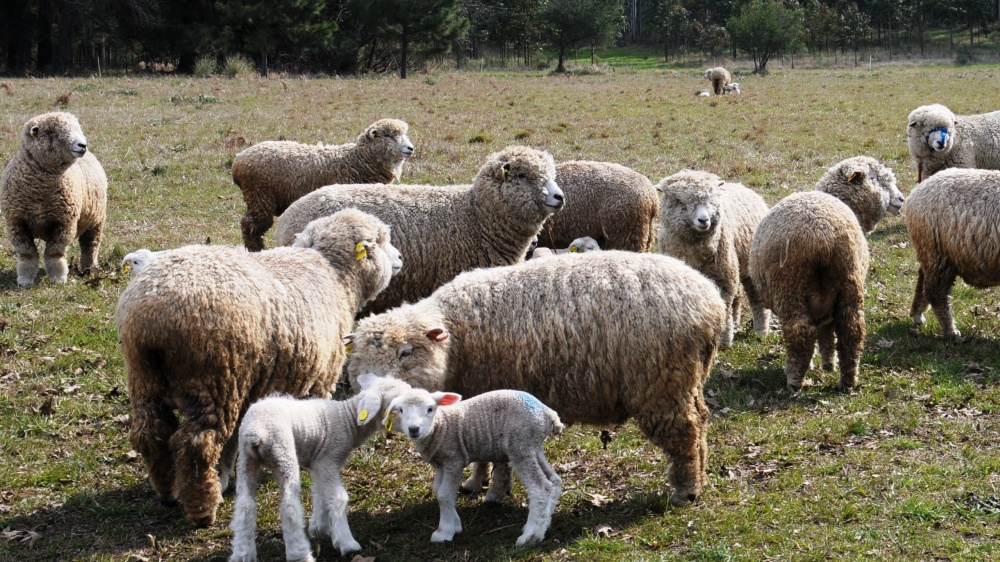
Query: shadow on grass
point(900, 345)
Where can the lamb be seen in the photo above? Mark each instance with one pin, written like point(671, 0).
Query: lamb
point(208, 330)
point(809, 260)
point(284, 434)
point(952, 218)
point(53, 189)
point(580, 245)
point(719, 77)
point(608, 202)
point(939, 139)
point(273, 174)
point(135, 262)
point(498, 426)
point(443, 231)
point(709, 224)
point(731, 89)
point(652, 330)
point(703, 93)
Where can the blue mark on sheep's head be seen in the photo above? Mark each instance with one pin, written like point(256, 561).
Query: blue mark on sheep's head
point(937, 138)
point(533, 404)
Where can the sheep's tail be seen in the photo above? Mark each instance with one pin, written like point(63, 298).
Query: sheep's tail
point(556, 425)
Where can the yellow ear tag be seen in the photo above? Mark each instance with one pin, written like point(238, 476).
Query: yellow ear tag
point(388, 421)
point(349, 348)
point(854, 176)
point(363, 415)
point(360, 252)
point(126, 267)
point(572, 249)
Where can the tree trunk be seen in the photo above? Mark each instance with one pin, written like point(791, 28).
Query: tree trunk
point(561, 67)
point(64, 50)
point(402, 55)
point(263, 65)
point(593, 57)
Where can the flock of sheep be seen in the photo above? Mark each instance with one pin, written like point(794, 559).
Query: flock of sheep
point(424, 294)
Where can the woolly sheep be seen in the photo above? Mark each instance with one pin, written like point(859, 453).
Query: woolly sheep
point(283, 434)
point(602, 337)
point(504, 426)
point(953, 219)
point(709, 224)
point(809, 259)
point(578, 246)
point(443, 231)
point(608, 202)
point(732, 88)
point(939, 139)
point(273, 174)
point(208, 330)
point(719, 77)
point(55, 190)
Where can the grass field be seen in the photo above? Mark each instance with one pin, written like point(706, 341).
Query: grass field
point(905, 468)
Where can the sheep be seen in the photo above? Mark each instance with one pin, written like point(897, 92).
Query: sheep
point(135, 262)
point(284, 434)
point(719, 77)
point(709, 224)
point(506, 426)
point(273, 174)
point(939, 139)
point(443, 231)
point(580, 245)
point(952, 218)
point(207, 330)
point(809, 259)
point(610, 203)
point(53, 189)
point(732, 88)
point(703, 93)
point(600, 337)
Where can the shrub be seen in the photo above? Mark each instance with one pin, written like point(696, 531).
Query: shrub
point(204, 66)
point(237, 65)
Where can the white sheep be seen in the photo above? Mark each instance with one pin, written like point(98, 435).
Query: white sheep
point(579, 246)
point(285, 435)
point(499, 426)
point(731, 89)
point(719, 77)
point(939, 139)
point(136, 261)
point(703, 93)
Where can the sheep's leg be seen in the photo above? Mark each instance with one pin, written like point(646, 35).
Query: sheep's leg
point(254, 224)
point(738, 309)
point(153, 423)
point(90, 243)
point(27, 253)
point(500, 483)
point(555, 489)
point(226, 461)
point(446, 483)
point(800, 343)
point(679, 428)
point(920, 304)
point(539, 488)
point(761, 315)
point(827, 347)
point(937, 287)
point(474, 484)
point(728, 328)
point(57, 240)
point(287, 473)
point(244, 523)
point(330, 509)
point(850, 321)
point(198, 448)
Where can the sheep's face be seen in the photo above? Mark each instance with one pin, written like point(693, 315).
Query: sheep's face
point(522, 181)
point(412, 413)
point(892, 198)
point(376, 395)
point(692, 200)
point(866, 186)
point(55, 140)
point(388, 136)
point(584, 245)
point(402, 343)
point(136, 261)
point(930, 129)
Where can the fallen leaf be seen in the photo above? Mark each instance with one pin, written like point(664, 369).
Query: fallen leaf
point(597, 500)
point(603, 530)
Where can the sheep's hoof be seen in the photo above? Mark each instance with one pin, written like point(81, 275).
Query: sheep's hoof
point(349, 547)
point(467, 491)
point(168, 501)
point(957, 337)
point(918, 319)
point(682, 499)
point(846, 385)
point(202, 520)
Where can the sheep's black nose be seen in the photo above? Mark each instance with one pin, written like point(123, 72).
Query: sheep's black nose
point(413, 431)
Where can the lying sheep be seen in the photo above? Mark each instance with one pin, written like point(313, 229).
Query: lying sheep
point(952, 219)
point(284, 435)
point(273, 174)
point(578, 246)
point(939, 139)
point(610, 203)
point(704, 93)
point(208, 330)
point(443, 231)
point(639, 345)
point(709, 224)
point(719, 77)
point(731, 89)
point(55, 190)
point(809, 259)
point(506, 426)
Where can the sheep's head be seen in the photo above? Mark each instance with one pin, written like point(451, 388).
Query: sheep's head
point(412, 413)
point(930, 129)
point(354, 241)
point(136, 261)
point(866, 186)
point(375, 396)
point(521, 181)
point(408, 343)
point(55, 140)
point(385, 140)
point(584, 245)
point(690, 202)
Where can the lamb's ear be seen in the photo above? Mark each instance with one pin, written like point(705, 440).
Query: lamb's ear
point(369, 406)
point(437, 334)
point(366, 380)
point(34, 131)
point(302, 240)
point(349, 345)
point(389, 416)
point(446, 398)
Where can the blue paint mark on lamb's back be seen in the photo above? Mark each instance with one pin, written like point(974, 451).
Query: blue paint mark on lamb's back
point(533, 404)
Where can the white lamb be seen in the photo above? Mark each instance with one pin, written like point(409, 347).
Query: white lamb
point(579, 246)
point(282, 434)
point(136, 261)
point(733, 88)
point(499, 426)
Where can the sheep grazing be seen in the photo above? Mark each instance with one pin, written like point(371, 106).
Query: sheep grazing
point(208, 330)
point(939, 139)
point(55, 190)
point(284, 434)
point(504, 426)
point(443, 231)
point(135, 262)
point(614, 205)
point(567, 350)
point(273, 174)
point(809, 259)
point(709, 224)
point(731, 89)
point(578, 246)
point(719, 77)
point(952, 219)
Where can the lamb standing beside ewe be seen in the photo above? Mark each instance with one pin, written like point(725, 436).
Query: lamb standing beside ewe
point(55, 190)
point(954, 222)
point(709, 224)
point(284, 435)
point(506, 426)
point(443, 231)
point(601, 337)
point(809, 260)
point(273, 174)
point(208, 330)
point(939, 139)
point(732, 88)
point(608, 202)
point(719, 77)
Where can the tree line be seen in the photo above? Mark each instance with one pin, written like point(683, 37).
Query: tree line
point(350, 36)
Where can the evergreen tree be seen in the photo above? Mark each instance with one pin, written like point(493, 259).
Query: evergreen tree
point(765, 29)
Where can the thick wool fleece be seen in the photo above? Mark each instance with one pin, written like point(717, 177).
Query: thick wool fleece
point(939, 139)
point(866, 185)
point(273, 174)
point(54, 189)
point(719, 77)
point(600, 337)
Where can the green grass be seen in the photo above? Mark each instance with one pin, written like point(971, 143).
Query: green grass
point(905, 468)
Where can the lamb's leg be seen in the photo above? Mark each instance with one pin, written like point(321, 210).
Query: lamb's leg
point(27, 253)
point(226, 461)
point(58, 238)
point(827, 347)
point(937, 287)
point(446, 483)
point(244, 523)
point(679, 427)
point(920, 304)
point(287, 473)
point(539, 489)
point(555, 489)
point(850, 319)
point(761, 315)
point(153, 423)
point(254, 224)
point(474, 484)
point(800, 342)
point(500, 483)
point(90, 243)
point(330, 509)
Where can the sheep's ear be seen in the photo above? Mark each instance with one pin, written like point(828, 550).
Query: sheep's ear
point(373, 134)
point(349, 345)
point(721, 183)
point(573, 249)
point(914, 125)
point(437, 334)
point(659, 188)
point(390, 415)
point(302, 240)
point(505, 170)
point(446, 398)
point(366, 380)
point(369, 406)
point(34, 131)
point(857, 177)
point(360, 251)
